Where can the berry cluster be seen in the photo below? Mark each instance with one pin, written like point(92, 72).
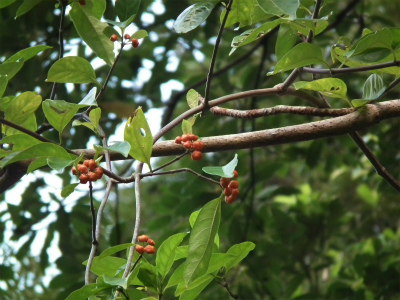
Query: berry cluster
point(88, 171)
point(135, 42)
point(149, 249)
point(190, 142)
point(231, 188)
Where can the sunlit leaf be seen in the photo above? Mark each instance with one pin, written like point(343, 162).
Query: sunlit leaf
point(123, 282)
point(239, 252)
point(106, 266)
point(68, 189)
point(373, 89)
point(193, 16)
point(166, 253)
point(90, 98)
point(140, 34)
point(27, 53)
point(241, 12)
point(122, 147)
point(9, 69)
point(330, 87)
point(59, 164)
point(224, 171)
point(72, 69)
point(280, 7)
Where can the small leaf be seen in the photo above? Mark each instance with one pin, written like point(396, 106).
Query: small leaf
point(116, 281)
point(193, 16)
point(72, 69)
point(239, 251)
point(201, 240)
point(280, 7)
point(137, 133)
point(68, 190)
point(86, 124)
point(373, 89)
point(140, 34)
point(192, 98)
point(126, 8)
point(106, 266)
point(83, 293)
point(301, 55)
point(27, 53)
point(166, 253)
point(224, 171)
point(120, 147)
point(94, 117)
point(241, 12)
point(90, 98)
point(114, 249)
point(186, 127)
point(26, 6)
point(59, 164)
point(330, 87)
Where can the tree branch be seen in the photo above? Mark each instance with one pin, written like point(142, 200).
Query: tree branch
point(335, 71)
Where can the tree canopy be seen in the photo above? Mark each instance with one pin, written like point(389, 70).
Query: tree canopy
point(239, 149)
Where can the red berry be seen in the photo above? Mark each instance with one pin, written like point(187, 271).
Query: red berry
point(139, 249)
point(92, 164)
point(178, 140)
point(187, 144)
point(149, 249)
point(198, 145)
point(227, 191)
point(86, 163)
point(186, 137)
point(92, 176)
point(233, 184)
point(151, 242)
point(142, 238)
point(114, 38)
point(99, 172)
point(193, 137)
point(235, 174)
point(82, 169)
point(235, 193)
point(83, 178)
point(135, 43)
point(73, 170)
point(229, 199)
point(224, 182)
point(127, 36)
point(196, 155)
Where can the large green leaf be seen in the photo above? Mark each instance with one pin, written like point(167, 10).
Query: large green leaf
point(285, 41)
point(3, 85)
point(330, 87)
point(106, 266)
point(27, 53)
point(5, 3)
point(26, 6)
point(114, 249)
point(72, 69)
point(95, 8)
point(91, 30)
point(239, 252)
point(241, 12)
point(194, 289)
point(301, 55)
point(193, 16)
point(126, 8)
point(20, 111)
point(59, 113)
point(166, 253)
point(84, 292)
point(201, 240)
point(137, 133)
point(224, 171)
point(280, 7)
point(9, 69)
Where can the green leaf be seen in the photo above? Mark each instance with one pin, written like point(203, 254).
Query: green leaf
point(285, 41)
point(137, 133)
point(192, 98)
point(166, 253)
point(330, 87)
point(126, 8)
point(181, 252)
point(123, 24)
point(27, 53)
point(9, 69)
point(90, 98)
point(95, 8)
point(280, 7)
point(114, 249)
point(177, 276)
point(20, 111)
point(187, 127)
point(19, 141)
point(59, 113)
point(301, 55)
point(36, 151)
point(140, 34)
point(241, 12)
point(149, 278)
point(106, 266)
point(373, 89)
point(91, 30)
point(86, 124)
point(94, 117)
point(68, 189)
point(239, 251)
point(116, 281)
point(193, 16)
point(26, 6)
point(83, 293)
point(224, 171)
point(5, 3)
point(71, 69)
point(194, 289)
point(59, 164)
point(3, 85)
point(120, 147)
point(201, 240)
point(304, 26)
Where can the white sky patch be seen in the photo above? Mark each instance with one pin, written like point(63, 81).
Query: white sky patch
point(168, 87)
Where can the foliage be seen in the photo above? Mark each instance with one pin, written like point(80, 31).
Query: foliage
point(313, 219)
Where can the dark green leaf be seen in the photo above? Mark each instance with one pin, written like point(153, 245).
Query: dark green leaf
point(126, 8)
point(280, 7)
point(68, 190)
point(114, 249)
point(83, 293)
point(59, 164)
point(27, 53)
point(3, 85)
point(5, 3)
point(72, 69)
point(26, 6)
point(148, 278)
point(166, 253)
point(287, 38)
point(239, 251)
point(193, 16)
point(224, 171)
point(194, 289)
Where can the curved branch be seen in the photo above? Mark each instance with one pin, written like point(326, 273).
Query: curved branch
point(335, 71)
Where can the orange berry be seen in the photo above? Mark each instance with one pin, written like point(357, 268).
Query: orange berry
point(99, 172)
point(86, 163)
point(235, 193)
point(114, 38)
point(196, 155)
point(178, 140)
point(83, 178)
point(224, 182)
point(92, 176)
point(227, 191)
point(187, 144)
point(235, 174)
point(193, 137)
point(229, 199)
point(139, 249)
point(233, 184)
point(198, 145)
point(82, 169)
point(149, 249)
point(135, 43)
point(186, 137)
point(142, 238)
point(73, 170)
point(151, 242)
point(92, 165)
point(127, 36)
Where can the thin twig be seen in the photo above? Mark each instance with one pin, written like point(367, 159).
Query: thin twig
point(171, 162)
point(314, 16)
point(335, 71)
point(26, 131)
point(179, 171)
point(92, 211)
point(225, 284)
point(214, 56)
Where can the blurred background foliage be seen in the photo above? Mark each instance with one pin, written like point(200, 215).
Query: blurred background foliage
point(325, 225)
